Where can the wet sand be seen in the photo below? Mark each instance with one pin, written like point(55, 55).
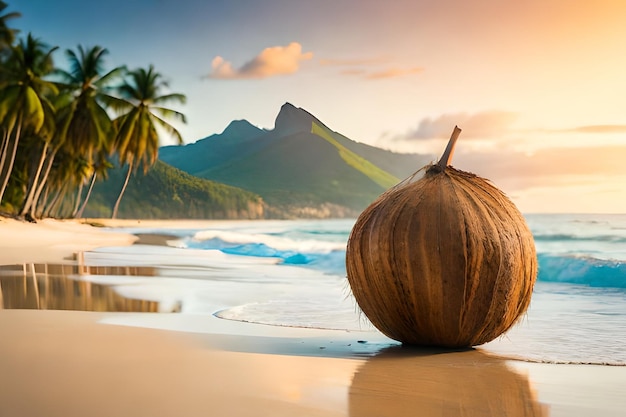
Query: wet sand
point(52, 240)
point(76, 363)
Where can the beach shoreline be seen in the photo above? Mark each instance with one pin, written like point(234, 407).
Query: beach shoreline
point(73, 363)
point(51, 240)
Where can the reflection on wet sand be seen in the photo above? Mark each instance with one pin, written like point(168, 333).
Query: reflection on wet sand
point(63, 287)
point(403, 381)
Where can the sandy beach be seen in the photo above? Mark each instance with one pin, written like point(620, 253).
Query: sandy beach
point(77, 363)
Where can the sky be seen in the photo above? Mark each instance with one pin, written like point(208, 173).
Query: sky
point(538, 87)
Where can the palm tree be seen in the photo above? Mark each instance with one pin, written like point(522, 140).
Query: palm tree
point(67, 171)
point(23, 99)
point(85, 128)
point(84, 124)
point(49, 145)
point(37, 149)
point(137, 141)
point(7, 35)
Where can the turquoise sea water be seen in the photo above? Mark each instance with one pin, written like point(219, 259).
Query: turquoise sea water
point(292, 273)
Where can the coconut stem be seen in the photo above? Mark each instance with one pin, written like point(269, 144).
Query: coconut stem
point(447, 154)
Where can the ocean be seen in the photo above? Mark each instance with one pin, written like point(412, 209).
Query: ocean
point(292, 273)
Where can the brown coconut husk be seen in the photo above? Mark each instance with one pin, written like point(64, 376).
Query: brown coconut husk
point(401, 383)
point(445, 260)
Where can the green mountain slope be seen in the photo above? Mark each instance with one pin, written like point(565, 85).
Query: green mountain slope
point(169, 193)
point(379, 176)
point(400, 165)
point(300, 168)
point(297, 172)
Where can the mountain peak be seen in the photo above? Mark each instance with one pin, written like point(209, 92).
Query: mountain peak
point(241, 128)
point(292, 119)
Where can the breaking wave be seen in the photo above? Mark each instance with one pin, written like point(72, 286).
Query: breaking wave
point(582, 270)
point(329, 257)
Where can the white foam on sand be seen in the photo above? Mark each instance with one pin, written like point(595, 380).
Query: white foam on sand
point(233, 287)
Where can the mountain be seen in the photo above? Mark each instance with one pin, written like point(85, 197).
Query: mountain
point(238, 137)
point(301, 168)
point(165, 192)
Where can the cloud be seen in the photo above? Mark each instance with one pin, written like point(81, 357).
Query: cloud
point(598, 129)
point(515, 170)
point(585, 129)
point(353, 62)
point(273, 61)
point(542, 170)
point(477, 125)
point(394, 72)
point(380, 74)
point(370, 68)
point(221, 68)
point(353, 72)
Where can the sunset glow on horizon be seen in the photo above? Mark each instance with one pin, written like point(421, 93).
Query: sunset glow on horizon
point(539, 88)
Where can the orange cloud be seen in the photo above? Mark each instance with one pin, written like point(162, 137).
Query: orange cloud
point(353, 72)
point(273, 61)
point(369, 68)
point(394, 72)
point(599, 129)
point(516, 170)
point(476, 125)
point(591, 129)
point(353, 62)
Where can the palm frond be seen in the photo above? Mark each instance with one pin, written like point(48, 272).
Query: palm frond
point(49, 127)
point(110, 76)
point(45, 87)
point(8, 104)
point(7, 35)
point(103, 126)
point(64, 119)
point(168, 128)
point(130, 93)
point(118, 105)
point(125, 129)
point(76, 69)
point(33, 109)
point(10, 15)
point(169, 114)
point(67, 80)
point(177, 97)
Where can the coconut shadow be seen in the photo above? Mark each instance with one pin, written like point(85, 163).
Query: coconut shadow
point(408, 381)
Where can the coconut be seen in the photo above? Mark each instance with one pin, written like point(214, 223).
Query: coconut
point(443, 260)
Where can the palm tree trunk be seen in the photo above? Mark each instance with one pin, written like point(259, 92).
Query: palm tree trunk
point(82, 208)
point(34, 182)
point(41, 203)
point(3, 147)
point(5, 172)
point(47, 212)
point(42, 183)
point(60, 203)
point(78, 199)
point(119, 198)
